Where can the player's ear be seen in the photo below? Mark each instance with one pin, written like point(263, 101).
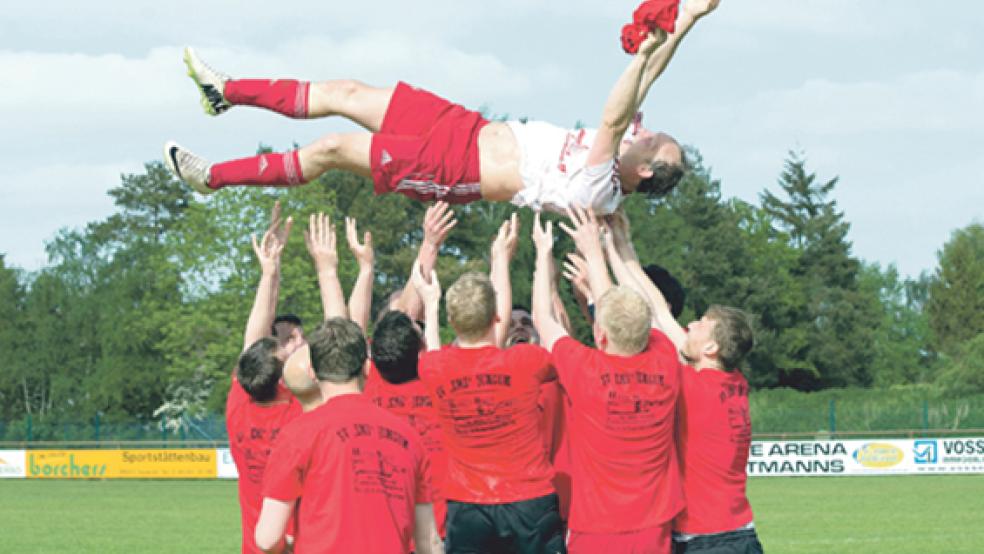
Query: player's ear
point(645, 171)
point(711, 349)
point(600, 336)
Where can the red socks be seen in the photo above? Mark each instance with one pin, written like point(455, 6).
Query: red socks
point(284, 96)
point(265, 170)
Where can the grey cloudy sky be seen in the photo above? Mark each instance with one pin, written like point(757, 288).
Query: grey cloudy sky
point(887, 94)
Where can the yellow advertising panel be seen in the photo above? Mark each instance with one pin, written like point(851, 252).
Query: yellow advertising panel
point(121, 464)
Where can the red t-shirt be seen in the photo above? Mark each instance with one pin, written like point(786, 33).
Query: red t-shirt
point(350, 463)
point(411, 402)
point(486, 400)
point(252, 429)
point(623, 458)
point(714, 434)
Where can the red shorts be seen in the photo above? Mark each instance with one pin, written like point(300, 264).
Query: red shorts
point(655, 540)
point(427, 148)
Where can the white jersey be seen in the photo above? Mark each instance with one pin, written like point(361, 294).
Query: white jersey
point(555, 176)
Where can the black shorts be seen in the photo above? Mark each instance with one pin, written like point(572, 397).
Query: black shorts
point(524, 527)
point(744, 541)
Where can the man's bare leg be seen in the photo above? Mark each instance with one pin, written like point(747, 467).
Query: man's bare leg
point(348, 151)
point(353, 100)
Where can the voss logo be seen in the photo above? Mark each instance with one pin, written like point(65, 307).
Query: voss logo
point(924, 452)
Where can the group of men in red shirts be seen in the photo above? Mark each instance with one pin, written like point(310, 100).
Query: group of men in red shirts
point(515, 437)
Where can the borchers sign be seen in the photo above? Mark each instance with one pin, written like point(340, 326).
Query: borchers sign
point(866, 457)
point(121, 464)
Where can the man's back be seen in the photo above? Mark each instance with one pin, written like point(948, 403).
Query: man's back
point(350, 462)
point(714, 437)
point(486, 399)
point(623, 460)
point(252, 429)
point(411, 402)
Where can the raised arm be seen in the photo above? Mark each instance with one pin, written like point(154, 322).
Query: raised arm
point(545, 321)
point(322, 245)
point(430, 293)
point(360, 301)
point(267, 251)
point(438, 222)
point(621, 106)
point(556, 303)
point(587, 238)
point(623, 249)
point(576, 271)
point(623, 274)
point(503, 249)
point(657, 62)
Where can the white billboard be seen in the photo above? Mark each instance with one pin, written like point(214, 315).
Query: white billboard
point(866, 457)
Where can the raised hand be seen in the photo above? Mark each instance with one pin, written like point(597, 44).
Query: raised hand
point(363, 252)
point(700, 8)
point(542, 236)
point(278, 226)
point(507, 238)
point(321, 241)
point(438, 222)
point(268, 251)
point(585, 231)
point(576, 271)
point(428, 290)
point(653, 41)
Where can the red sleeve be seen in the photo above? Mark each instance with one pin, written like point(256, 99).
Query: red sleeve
point(283, 478)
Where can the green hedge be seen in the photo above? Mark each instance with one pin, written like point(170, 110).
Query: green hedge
point(862, 410)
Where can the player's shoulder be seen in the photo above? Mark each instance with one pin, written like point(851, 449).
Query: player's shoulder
point(661, 343)
point(568, 344)
point(526, 353)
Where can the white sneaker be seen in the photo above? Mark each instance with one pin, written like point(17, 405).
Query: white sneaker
point(210, 83)
point(188, 167)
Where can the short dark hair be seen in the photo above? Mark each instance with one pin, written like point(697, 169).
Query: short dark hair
point(284, 318)
point(395, 347)
point(664, 179)
point(521, 308)
point(260, 370)
point(669, 286)
point(732, 333)
point(338, 350)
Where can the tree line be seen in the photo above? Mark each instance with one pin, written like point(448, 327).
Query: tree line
point(140, 315)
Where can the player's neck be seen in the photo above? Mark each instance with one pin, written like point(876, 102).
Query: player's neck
point(628, 178)
point(612, 350)
point(330, 390)
point(488, 339)
point(705, 363)
point(310, 400)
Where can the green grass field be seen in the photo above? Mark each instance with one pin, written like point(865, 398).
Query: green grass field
point(894, 515)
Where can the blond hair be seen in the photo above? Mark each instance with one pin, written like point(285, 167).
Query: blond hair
point(626, 318)
point(470, 303)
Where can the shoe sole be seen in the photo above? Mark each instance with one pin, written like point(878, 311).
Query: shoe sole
point(206, 105)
